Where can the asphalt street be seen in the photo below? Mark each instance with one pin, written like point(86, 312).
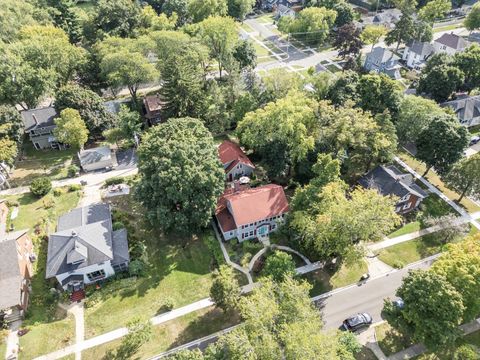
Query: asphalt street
point(367, 297)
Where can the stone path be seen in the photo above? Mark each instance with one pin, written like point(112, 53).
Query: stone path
point(12, 341)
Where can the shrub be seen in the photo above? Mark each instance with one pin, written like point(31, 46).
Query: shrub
point(398, 264)
point(12, 203)
point(214, 248)
point(74, 187)
point(41, 186)
point(57, 192)
point(167, 304)
point(114, 181)
point(137, 268)
point(72, 171)
point(466, 352)
point(117, 225)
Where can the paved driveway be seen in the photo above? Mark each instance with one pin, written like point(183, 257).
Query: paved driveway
point(126, 159)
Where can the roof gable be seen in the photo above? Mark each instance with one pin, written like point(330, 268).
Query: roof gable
point(39, 118)
point(231, 152)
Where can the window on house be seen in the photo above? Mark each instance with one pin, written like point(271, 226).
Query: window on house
point(120, 267)
point(406, 206)
point(251, 233)
point(96, 275)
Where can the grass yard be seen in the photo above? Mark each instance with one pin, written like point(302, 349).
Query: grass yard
point(174, 333)
point(432, 206)
point(435, 180)
point(266, 18)
point(389, 340)
point(178, 270)
point(332, 68)
point(49, 328)
point(3, 343)
point(472, 339)
point(44, 338)
point(35, 163)
point(247, 27)
point(447, 27)
point(408, 252)
point(365, 354)
point(324, 281)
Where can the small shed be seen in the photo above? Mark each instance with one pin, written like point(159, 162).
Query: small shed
point(95, 158)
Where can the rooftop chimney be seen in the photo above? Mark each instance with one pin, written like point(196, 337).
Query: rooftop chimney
point(236, 186)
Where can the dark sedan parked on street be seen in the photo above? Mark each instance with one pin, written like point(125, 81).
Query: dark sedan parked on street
point(357, 322)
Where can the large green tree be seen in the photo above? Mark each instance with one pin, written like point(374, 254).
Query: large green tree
point(441, 143)
point(179, 7)
point(468, 62)
point(435, 10)
point(220, 36)
point(460, 265)
point(279, 265)
point(464, 176)
point(414, 114)
point(8, 150)
point(225, 290)
point(311, 24)
point(89, 104)
point(202, 9)
point(472, 22)
point(440, 78)
point(432, 312)
point(180, 175)
point(116, 18)
point(126, 65)
point(328, 221)
point(372, 33)
point(11, 123)
point(240, 8)
point(71, 129)
point(379, 93)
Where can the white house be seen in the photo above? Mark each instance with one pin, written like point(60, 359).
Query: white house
point(247, 213)
point(449, 44)
point(85, 249)
point(234, 160)
point(416, 53)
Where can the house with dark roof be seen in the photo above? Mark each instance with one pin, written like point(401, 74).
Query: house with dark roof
point(85, 248)
point(235, 162)
point(16, 258)
point(96, 158)
point(467, 109)
point(390, 181)
point(387, 17)
point(153, 108)
point(449, 44)
point(382, 60)
point(416, 53)
point(39, 125)
point(248, 213)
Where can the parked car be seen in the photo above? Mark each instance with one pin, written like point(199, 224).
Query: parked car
point(357, 322)
point(474, 140)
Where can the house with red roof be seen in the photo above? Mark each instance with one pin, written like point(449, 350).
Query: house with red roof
point(248, 213)
point(234, 160)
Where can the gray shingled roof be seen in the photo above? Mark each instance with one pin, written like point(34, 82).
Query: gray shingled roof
point(10, 276)
point(453, 41)
point(382, 54)
point(44, 118)
point(120, 247)
point(94, 155)
point(466, 108)
point(82, 233)
point(420, 48)
point(389, 180)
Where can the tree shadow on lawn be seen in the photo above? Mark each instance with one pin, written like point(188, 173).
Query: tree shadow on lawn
point(161, 253)
point(209, 323)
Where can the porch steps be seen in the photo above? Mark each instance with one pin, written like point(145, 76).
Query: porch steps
point(77, 295)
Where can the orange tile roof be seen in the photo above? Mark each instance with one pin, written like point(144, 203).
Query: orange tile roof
point(231, 152)
point(250, 205)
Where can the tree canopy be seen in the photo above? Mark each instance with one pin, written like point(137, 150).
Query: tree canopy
point(464, 176)
point(71, 129)
point(180, 175)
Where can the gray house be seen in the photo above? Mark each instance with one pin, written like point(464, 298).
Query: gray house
point(39, 125)
point(390, 181)
point(467, 109)
point(95, 158)
point(85, 249)
point(416, 53)
point(382, 60)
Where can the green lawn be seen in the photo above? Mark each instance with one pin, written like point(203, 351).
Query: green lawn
point(3, 343)
point(178, 270)
point(44, 338)
point(435, 180)
point(389, 340)
point(174, 333)
point(266, 18)
point(408, 252)
point(432, 206)
point(35, 163)
point(472, 339)
point(447, 27)
point(247, 27)
point(365, 354)
point(49, 328)
point(324, 280)
point(332, 68)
